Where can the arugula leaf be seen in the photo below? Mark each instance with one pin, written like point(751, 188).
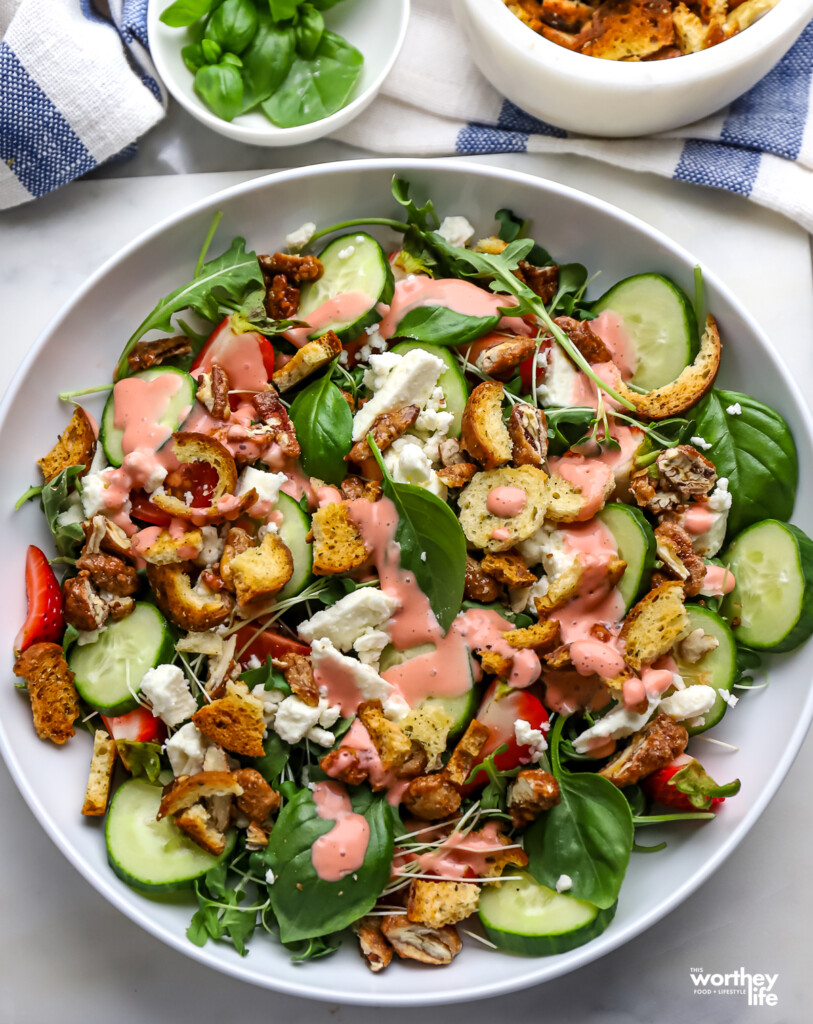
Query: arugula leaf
point(223, 916)
point(229, 274)
point(588, 835)
point(755, 450)
point(439, 325)
point(512, 227)
point(422, 217)
point(324, 428)
point(140, 758)
point(266, 676)
point(31, 492)
point(492, 797)
point(572, 281)
point(305, 905)
point(56, 499)
point(432, 543)
point(314, 948)
point(186, 12)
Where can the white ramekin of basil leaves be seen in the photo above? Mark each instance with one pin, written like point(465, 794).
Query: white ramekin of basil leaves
point(275, 72)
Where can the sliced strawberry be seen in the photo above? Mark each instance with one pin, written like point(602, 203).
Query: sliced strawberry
point(140, 726)
point(266, 643)
point(685, 786)
point(501, 706)
point(216, 350)
point(526, 369)
point(144, 510)
point(44, 622)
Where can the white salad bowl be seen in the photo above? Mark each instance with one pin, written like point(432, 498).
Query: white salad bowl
point(374, 27)
point(80, 348)
point(622, 98)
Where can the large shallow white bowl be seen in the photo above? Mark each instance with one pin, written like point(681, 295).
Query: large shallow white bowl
point(80, 348)
point(622, 98)
point(375, 27)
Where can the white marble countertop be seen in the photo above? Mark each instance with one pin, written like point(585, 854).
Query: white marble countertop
point(67, 955)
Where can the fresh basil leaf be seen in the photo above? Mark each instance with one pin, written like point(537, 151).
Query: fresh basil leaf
point(221, 89)
point(186, 12)
point(308, 31)
point(56, 498)
point(266, 63)
point(432, 543)
point(140, 758)
point(588, 835)
point(755, 450)
point(305, 905)
point(233, 59)
point(229, 275)
point(439, 325)
point(324, 428)
point(325, 5)
point(276, 755)
point(283, 10)
point(210, 51)
point(314, 89)
point(192, 56)
point(233, 25)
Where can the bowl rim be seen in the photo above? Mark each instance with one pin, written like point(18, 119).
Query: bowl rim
point(540, 969)
point(775, 24)
point(241, 132)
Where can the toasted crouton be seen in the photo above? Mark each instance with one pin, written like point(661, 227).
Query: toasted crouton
point(568, 502)
point(560, 590)
point(235, 722)
point(565, 502)
point(746, 14)
point(491, 245)
point(190, 448)
point(54, 700)
point(184, 605)
point(429, 726)
point(483, 434)
point(312, 356)
point(76, 447)
point(541, 636)
point(496, 533)
point(631, 28)
point(436, 904)
point(187, 790)
point(337, 543)
point(166, 549)
point(652, 626)
point(495, 664)
point(260, 572)
point(508, 568)
point(498, 860)
point(389, 739)
point(197, 823)
point(375, 949)
point(258, 800)
point(102, 764)
point(690, 32)
point(465, 754)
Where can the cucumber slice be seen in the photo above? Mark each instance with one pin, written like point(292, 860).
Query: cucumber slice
point(460, 709)
point(150, 855)
point(177, 410)
point(353, 263)
point(660, 323)
point(293, 530)
point(533, 920)
point(636, 545)
point(718, 668)
point(451, 380)
point(772, 563)
point(108, 672)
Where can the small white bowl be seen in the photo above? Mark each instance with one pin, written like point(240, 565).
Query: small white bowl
point(375, 28)
point(622, 98)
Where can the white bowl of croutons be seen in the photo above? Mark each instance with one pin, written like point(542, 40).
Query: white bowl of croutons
point(600, 69)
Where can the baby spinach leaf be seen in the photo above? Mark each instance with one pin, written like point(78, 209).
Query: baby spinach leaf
point(221, 88)
point(140, 758)
point(266, 61)
point(432, 543)
point(588, 835)
point(229, 274)
point(314, 89)
point(439, 325)
point(276, 755)
point(55, 499)
point(186, 12)
point(324, 429)
point(233, 25)
point(755, 450)
point(308, 31)
point(305, 905)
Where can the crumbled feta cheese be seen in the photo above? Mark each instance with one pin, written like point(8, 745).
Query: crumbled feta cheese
point(295, 720)
point(270, 700)
point(423, 556)
point(211, 546)
point(372, 329)
point(561, 378)
point(456, 230)
point(547, 547)
point(720, 498)
point(615, 725)
point(253, 662)
point(370, 645)
point(267, 485)
point(166, 688)
point(734, 410)
point(688, 703)
point(409, 381)
point(186, 750)
point(322, 737)
point(527, 736)
point(700, 442)
point(270, 877)
point(346, 253)
point(327, 661)
point(94, 486)
point(343, 357)
point(710, 541)
point(346, 620)
point(729, 698)
point(409, 464)
point(298, 239)
point(564, 883)
point(144, 470)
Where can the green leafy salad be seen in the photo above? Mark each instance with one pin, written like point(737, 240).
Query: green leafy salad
point(394, 575)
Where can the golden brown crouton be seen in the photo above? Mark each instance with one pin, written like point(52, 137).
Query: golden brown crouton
point(54, 700)
point(745, 14)
point(483, 434)
point(532, 792)
point(391, 742)
point(655, 746)
point(491, 532)
point(509, 568)
point(431, 797)
point(465, 754)
point(458, 475)
point(479, 586)
point(498, 860)
point(189, 448)
point(187, 790)
point(491, 245)
point(653, 624)
point(102, 764)
point(182, 603)
point(541, 636)
point(440, 903)
point(260, 572)
point(385, 429)
point(76, 447)
point(437, 946)
point(528, 429)
point(429, 726)
point(234, 722)
point(567, 503)
point(344, 764)
point(197, 823)
point(561, 589)
point(631, 28)
point(495, 664)
point(691, 34)
point(375, 949)
point(167, 550)
point(337, 544)
point(311, 357)
point(259, 800)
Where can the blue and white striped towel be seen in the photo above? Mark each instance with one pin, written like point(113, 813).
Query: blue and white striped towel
point(75, 90)
point(435, 101)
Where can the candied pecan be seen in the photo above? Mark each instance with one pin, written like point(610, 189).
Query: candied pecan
point(528, 428)
point(458, 475)
point(648, 493)
point(696, 645)
point(344, 764)
point(299, 676)
point(586, 341)
point(438, 946)
point(431, 797)
point(532, 792)
point(654, 747)
point(281, 298)
point(213, 392)
point(258, 800)
point(352, 488)
point(385, 429)
point(479, 585)
point(600, 632)
point(415, 764)
point(500, 361)
point(508, 567)
point(103, 535)
point(272, 412)
point(153, 353)
point(81, 605)
point(297, 268)
point(450, 453)
point(543, 281)
point(212, 580)
point(110, 573)
point(120, 607)
point(675, 546)
point(684, 470)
